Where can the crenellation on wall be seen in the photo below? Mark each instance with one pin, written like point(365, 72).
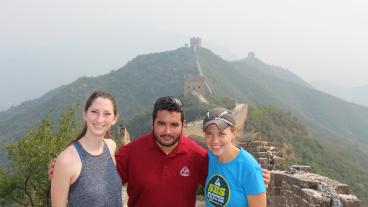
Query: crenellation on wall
point(297, 168)
point(267, 153)
point(349, 201)
point(296, 187)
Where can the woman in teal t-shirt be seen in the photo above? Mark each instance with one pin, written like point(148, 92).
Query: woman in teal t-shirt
point(234, 176)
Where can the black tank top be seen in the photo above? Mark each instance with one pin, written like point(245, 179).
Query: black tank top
point(98, 184)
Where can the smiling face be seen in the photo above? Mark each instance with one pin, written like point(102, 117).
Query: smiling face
point(167, 129)
point(99, 117)
point(219, 142)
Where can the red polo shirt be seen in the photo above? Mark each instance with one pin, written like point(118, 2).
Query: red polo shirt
point(157, 179)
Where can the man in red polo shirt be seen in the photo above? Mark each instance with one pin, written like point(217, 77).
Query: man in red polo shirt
point(164, 167)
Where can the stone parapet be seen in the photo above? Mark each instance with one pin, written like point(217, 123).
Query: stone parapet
point(305, 189)
point(265, 152)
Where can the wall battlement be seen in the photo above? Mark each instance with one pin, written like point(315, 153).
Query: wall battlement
point(267, 153)
point(194, 83)
point(297, 187)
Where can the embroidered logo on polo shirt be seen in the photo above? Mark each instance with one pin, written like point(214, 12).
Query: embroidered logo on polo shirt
point(184, 171)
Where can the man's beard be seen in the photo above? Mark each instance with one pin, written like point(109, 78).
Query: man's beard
point(175, 140)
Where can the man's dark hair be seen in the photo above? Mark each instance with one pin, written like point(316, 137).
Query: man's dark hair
point(168, 103)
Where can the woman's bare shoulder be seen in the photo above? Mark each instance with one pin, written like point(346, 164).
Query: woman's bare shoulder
point(67, 158)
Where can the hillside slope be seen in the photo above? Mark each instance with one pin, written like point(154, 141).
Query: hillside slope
point(136, 86)
point(327, 115)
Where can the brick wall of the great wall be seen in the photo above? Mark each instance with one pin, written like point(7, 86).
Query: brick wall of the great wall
point(298, 185)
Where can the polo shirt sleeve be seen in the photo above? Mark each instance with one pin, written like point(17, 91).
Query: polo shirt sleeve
point(204, 169)
point(252, 181)
point(122, 157)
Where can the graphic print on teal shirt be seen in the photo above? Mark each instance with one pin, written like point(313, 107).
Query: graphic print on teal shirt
point(229, 184)
point(217, 191)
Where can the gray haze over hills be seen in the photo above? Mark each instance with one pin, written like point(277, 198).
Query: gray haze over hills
point(358, 95)
point(29, 73)
point(45, 44)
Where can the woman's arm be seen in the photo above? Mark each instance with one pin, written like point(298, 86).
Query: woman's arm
point(258, 200)
point(64, 172)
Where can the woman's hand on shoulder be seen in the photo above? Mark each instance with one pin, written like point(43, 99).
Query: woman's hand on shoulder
point(266, 177)
point(50, 168)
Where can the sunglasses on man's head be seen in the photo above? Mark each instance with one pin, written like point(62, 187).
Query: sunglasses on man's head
point(168, 101)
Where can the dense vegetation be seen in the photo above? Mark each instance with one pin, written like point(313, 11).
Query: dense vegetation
point(25, 182)
point(301, 147)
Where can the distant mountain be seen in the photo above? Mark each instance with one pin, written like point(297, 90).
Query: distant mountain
point(280, 73)
point(331, 116)
point(82, 53)
point(146, 77)
point(358, 95)
point(136, 86)
point(341, 126)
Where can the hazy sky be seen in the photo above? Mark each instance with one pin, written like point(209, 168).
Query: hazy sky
point(48, 43)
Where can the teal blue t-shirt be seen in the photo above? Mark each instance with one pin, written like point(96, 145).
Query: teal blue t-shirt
point(228, 184)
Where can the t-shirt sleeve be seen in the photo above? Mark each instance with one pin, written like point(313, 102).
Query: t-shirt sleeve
point(122, 157)
point(252, 181)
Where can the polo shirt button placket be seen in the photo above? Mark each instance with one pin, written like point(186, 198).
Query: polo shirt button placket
point(164, 171)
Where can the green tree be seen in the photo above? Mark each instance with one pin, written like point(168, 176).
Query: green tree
point(25, 182)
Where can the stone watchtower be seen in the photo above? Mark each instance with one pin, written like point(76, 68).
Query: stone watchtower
point(194, 83)
point(123, 134)
point(195, 42)
point(251, 55)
